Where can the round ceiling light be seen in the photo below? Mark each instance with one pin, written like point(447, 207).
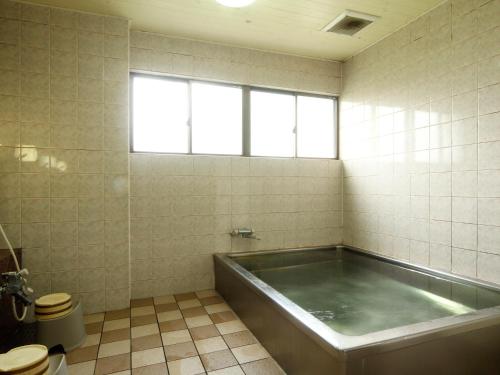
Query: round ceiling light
point(235, 3)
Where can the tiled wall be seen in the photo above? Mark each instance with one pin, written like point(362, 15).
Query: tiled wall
point(64, 149)
point(163, 54)
point(183, 208)
point(420, 135)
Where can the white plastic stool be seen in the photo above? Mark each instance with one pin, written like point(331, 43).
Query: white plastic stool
point(57, 365)
point(67, 330)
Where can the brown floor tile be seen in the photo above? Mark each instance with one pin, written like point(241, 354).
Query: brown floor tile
point(264, 366)
point(222, 317)
point(117, 314)
point(88, 353)
point(172, 325)
point(194, 311)
point(211, 300)
point(180, 351)
point(146, 342)
point(141, 302)
point(166, 307)
point(184, 296)
point(92, 328)
point(158, 369)
point(234, 340)
point(142, 320)
point(204, 332)
point(115, 335)
point(112, 364)
point(218, 360)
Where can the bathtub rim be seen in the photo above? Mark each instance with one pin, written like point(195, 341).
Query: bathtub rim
point(352, 347)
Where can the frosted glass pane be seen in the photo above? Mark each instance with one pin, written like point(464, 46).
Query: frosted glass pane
point(315, 127)
point(272, 117)
point(160, 115)
point(217, 119)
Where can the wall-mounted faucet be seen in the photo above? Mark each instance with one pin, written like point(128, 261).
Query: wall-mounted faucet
point(244, 233)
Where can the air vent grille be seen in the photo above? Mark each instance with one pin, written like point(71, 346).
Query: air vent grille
point(349, 23)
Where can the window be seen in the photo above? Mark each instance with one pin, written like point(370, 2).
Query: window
point(217, 119)
point(272, 123)
point(160, 115)
point(315, 131)
point(172, 115)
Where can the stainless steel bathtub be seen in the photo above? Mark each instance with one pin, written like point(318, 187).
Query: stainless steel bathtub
point(301, 344)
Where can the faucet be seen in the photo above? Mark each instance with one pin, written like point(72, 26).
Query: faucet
point(244, 233)
point(14, 284)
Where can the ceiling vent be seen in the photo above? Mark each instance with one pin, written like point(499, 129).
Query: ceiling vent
point(349, 23)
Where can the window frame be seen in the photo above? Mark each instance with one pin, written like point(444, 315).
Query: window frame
point(246, 116)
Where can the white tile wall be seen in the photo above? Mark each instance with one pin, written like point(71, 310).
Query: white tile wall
point(419, 131)
point(184, 207)
point(163, 54)
point(64, 149)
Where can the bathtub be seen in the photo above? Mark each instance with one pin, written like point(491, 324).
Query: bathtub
point(340, 310)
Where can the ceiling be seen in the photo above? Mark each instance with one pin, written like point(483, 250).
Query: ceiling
point(287, 26)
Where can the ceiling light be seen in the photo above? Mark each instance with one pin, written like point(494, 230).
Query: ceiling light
point(235, 3)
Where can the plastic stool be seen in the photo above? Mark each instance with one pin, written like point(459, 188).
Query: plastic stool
point(53, 306)
point(67, 330)
point(57, 365)
point(25, 360)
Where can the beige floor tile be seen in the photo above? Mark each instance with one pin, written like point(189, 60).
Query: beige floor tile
point(180, 351)
point(200, 333)
point(234, 370)
point(91, 340)
point(141, 302)
point(142, 320)
point(114, 348)
point(231, 327)
point(264, 366)
point(92, 328)
point(169, 315)
point(175, 337)
point(211, 309)
point(147, 357)
point(172, 325)
point(146, 342)
point(198, 321)
point(194, 311)
point(223, 316)
point(249, 353)
point(157, 369)
point(147, 330)
point(115, 335)
point(209, 345)
point(88, 353)
point(82, 368)
point(166, 307)
point(218, 360)
point(117, 314)
point(113, 364)
point(93, 318)
point(143, 310)
point(126, 372)
point(111, 325)
point(184, 296)
point(206, 293)
point(188, 366)
point(241, 338)
point(214, 300)
point(163, 299)
point(187, 304)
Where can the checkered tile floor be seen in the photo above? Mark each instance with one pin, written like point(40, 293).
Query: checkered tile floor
point(185, 334)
